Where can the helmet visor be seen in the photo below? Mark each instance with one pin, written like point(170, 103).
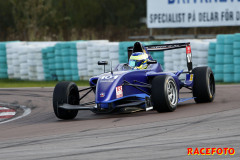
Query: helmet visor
point(135, 63)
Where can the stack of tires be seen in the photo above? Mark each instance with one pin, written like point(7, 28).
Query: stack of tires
point(3, 62)
point(23, 63)
point(10, 51)
point(236, 55)
point(16, 63)
point(45, 64)
point(96, 57)
point(104, 56)
point(82, 59)
point(211, 55)
point(90, 59)
point(123, 51)
point(66, 59)
point(58, 62)
point(32, 62)
point(37, 52)
point(93, 56)
point(168, 65)
point(202, 53)
point(113, 51)
point(159, 55)
point(219, 58)
point(74, 62)
point(49, 63)
point(228, 66)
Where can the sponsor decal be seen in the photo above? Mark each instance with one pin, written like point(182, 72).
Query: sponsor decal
point(119, 92)
point(210, 151)
point(188, 50)
point(191, 77)
point(102, 94)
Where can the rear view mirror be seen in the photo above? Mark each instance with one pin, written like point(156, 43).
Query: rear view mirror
point(151, 61)
point(102, 62)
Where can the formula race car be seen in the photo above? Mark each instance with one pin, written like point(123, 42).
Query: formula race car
point(128, 87)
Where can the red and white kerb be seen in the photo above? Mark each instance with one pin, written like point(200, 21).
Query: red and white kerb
point(6, 113)
point(119, 92)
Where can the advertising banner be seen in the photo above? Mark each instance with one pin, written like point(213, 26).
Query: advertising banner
point(192, 13)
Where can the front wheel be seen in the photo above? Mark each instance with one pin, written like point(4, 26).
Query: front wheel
point(65, 92)
point(164, 93)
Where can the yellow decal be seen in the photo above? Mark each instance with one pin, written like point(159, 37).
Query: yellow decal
point(191, 77)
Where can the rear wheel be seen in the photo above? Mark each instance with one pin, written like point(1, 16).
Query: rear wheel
point(65, 92)
point(203, 85)
point(164, 93)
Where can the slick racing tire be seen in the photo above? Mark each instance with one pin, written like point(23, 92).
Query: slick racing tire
point(203, 85)
point(164, 95)
point(65, 92)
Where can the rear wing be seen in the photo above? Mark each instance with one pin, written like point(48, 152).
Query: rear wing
point(164, 47)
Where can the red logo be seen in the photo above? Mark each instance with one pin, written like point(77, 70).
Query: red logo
point(102, 94)
point(188, 50)
point(119, 92)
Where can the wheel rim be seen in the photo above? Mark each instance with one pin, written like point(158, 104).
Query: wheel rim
point(172, 93)
point(211, 86)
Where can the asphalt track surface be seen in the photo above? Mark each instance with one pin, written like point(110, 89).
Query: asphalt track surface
point(142, 135)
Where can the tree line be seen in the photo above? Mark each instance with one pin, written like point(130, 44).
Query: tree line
point(69, 19)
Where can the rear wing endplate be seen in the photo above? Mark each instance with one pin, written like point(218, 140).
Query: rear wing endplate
point(165, 47)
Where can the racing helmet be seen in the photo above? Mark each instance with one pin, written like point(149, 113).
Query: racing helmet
point(138, 60)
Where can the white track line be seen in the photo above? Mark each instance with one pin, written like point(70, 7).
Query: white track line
point(7, 114)
point(26, 111)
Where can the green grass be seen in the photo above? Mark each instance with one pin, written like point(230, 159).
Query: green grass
point(6, 83)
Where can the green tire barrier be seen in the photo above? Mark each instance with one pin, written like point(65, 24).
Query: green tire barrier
point(228, 49)
point(3, 61)
point(237, 37)
point(219, 68)
point(67, 65)
point(212, 66)
point(236, 68)
point(220, 38)
point(228, 59)
point(228, 68)
point(212, 45)
point(236, 45)
point(219, 59)
point(218, 77)
point(211, 59)
point(75, 78)
point(67, 72)
point(2, 53)
point(237, 77)
point(228, 77)
point(236, 60)
point(236, 52)
point(212, 52)
point(59, 73)
point(219, 49)
point(228, 39)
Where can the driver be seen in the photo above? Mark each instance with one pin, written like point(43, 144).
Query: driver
point(138, 60)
